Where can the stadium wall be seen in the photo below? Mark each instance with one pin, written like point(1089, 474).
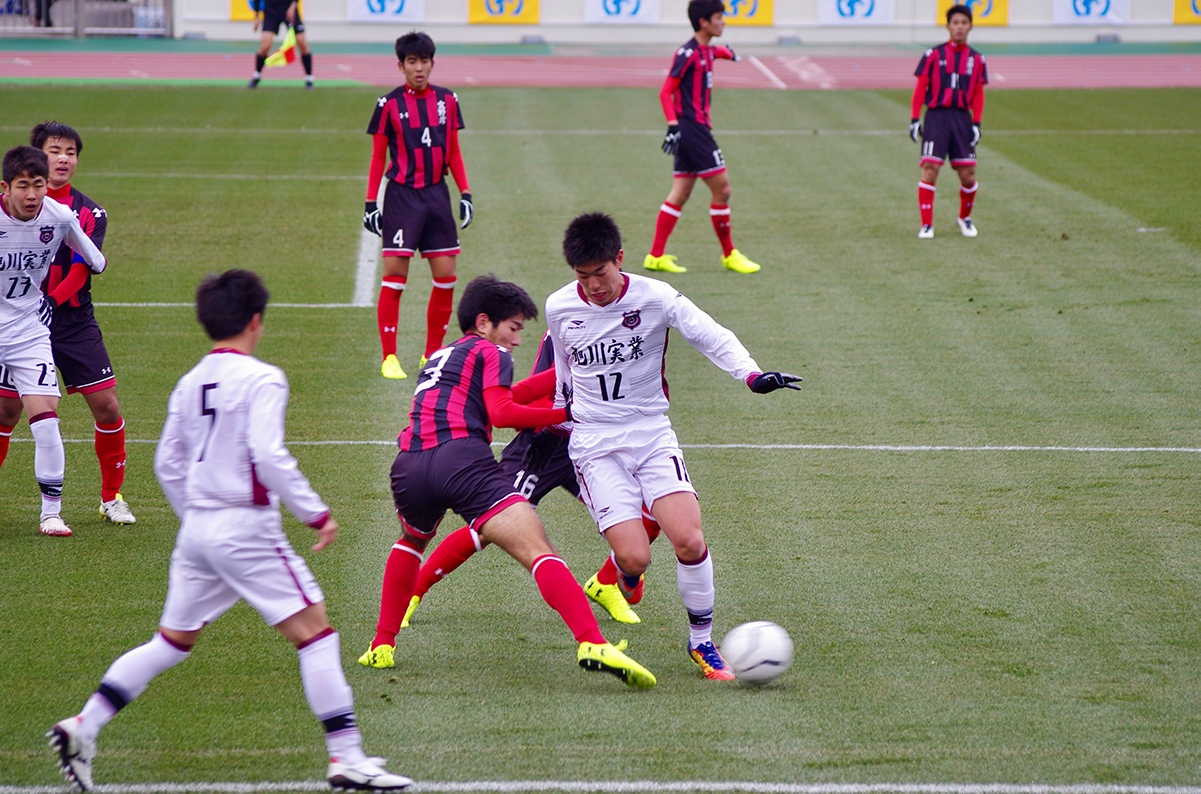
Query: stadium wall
point(562, 22)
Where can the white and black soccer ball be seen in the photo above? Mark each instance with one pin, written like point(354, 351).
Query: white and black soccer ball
point(757, 652)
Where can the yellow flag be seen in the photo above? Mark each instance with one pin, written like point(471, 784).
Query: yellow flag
point(287, 50)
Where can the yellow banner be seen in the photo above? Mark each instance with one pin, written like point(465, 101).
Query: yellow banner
point(750, 12)
point(1187, 12)
point(240, 11)
point(984, 12)
point(502, 12)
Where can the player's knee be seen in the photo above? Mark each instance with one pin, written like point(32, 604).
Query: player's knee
point(10, 412)
point(633, 562)
point(722, 195)
point(105, 409)
point(690, 548)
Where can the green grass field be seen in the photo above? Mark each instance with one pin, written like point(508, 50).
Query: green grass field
point(965, 615)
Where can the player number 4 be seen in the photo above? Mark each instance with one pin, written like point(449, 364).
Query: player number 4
point(425, 137)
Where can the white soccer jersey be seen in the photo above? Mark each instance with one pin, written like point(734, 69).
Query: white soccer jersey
point(612, 357)
point(27, 249)
point(223, 441)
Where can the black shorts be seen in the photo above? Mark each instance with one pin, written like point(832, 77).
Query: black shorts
point(533, 485)
point(948, 131)
point(419, 219)
point(460, 475)
point(79, 353)
point(697, 154)
point(276, 14)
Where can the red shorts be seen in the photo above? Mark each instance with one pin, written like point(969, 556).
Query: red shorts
point(460, 475)
point(419, 220)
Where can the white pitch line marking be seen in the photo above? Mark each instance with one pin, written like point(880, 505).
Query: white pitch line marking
point(768, 73)
point(786, 447)
point(752, 787)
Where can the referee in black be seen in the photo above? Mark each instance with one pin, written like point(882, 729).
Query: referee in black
point(271, 14)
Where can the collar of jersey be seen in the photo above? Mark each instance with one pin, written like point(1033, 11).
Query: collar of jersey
point(59, 194)
point(417, 94)
point(226, 350)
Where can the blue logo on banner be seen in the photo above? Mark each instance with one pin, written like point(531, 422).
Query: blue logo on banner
point(616, 8)
point(736, 8)
point(381, 6)
point(856, 8)
point(980, 8)
point(1088, 8)
point(500, 8)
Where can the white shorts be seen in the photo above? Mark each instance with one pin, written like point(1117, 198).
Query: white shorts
point(238, 552)
point(623, 467)
point(28, 367)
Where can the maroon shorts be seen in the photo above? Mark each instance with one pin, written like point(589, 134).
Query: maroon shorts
point(460, 475)
point(79, 354)
point(698, 154)
point(419, 219)
point(948, 132)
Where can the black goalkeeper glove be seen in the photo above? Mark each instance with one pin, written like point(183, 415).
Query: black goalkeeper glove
point(371, 218)
point(543, 446)
point(770, 381)
point(975, 133)
point(671, 141)
point(46, 310)
point(466, 210)
point(915, 130)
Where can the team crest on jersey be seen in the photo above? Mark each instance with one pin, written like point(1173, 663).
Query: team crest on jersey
point(47, 233)
point(631, 319)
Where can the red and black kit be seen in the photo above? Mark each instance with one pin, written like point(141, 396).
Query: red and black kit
point(950, 85)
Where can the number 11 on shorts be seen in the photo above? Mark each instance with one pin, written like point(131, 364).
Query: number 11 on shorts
point(681, 470)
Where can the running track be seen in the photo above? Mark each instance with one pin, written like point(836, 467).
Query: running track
point(818, 72)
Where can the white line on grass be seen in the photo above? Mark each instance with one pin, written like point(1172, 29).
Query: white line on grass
point(640, 785)
point(791, 447)
point(768, 73)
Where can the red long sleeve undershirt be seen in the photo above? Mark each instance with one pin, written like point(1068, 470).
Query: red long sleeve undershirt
point(540, 386)
point(665, 98)
point(379, 161)
point(503, 411)
point(919, 98)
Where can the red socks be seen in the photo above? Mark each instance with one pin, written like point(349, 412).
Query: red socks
point(668, 215)
point(400, 579)
point(6, 432)
point(720, 215)
point(967, 197)
point(925, 203)
point(437, 316)
point(563, 593)
point(110, 450)
point(453, 551)
point(387, 312)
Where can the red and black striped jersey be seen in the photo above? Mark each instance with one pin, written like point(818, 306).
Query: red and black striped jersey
point(954, 74)
point(693, 67)
point(448, 402)
point(418, 130)
point(94, 222)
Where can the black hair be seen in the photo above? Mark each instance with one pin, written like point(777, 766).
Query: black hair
point(226, 302)
point(25, 161)
point(54, 129)
point(591, 238)
point(414, 43)
point(959, 9)
point(499, 300)
point(703, 9)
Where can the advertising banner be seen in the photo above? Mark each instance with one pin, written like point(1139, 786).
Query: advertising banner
point(750, 12)
point(403, 11)
point(1187, 12)
point(502, 12)
point(855, 12)
point(621, 12)
point(984, 12)
point(1091, 12)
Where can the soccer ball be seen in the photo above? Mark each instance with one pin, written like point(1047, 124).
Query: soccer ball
point(757, 652)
